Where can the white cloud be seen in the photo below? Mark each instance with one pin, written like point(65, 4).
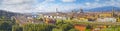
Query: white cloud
point(98, 4)
point(21, 6)
point(26, 6)
point(50, 0)
point(68, 0)
point(113, 3)
point(87, 3)
point(62, 8)
point(97, 0)
point(16, 1)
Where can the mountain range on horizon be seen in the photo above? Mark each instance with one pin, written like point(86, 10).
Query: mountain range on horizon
point(103, 9)
point(8, 14)
point(98, 9)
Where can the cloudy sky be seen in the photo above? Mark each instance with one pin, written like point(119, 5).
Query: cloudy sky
point(28, 6)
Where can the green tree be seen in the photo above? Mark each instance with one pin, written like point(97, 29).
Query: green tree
point(73, 30)
point(6, 26)
point(38, 27)
point(17, 28)
point(66, 27)
point(57, 29)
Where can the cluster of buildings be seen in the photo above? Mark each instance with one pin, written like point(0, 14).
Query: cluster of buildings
point(88, 16)
point(51, 18)
point(77, 16)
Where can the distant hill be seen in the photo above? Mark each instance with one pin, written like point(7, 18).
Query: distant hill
point(103, 9)
point(7, 13)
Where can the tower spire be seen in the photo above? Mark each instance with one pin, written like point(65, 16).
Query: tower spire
point(81, 10)
point(113, 12)
point(56, 10)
